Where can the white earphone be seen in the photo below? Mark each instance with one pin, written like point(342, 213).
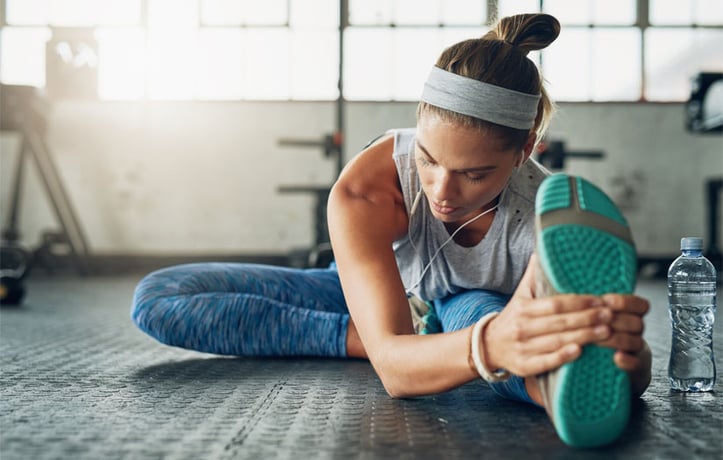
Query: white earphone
point(415, 204)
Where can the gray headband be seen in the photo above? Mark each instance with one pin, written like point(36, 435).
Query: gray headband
point(474, 98)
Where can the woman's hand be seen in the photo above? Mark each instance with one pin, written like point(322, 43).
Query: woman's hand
point(632, 352)
point(532, 335)
point(627, 329)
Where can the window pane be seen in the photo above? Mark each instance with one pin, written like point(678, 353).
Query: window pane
point(172, 64)
point(594, 64)
point(324, 13)
point(603, 12)
point(222, 12)
point(415, 52)
point(27, 12)
point(22, 52)
point(614, 12)
point(511, 7)
point(370, 12)
point(671, 12)
point(674, 56)
point(569, 11)
point(567, 65)
point(616, 65)
point(464, 12)
point(452, 35)
point(121, 63)
point(709, 12)
point(416, 12)
point(535, 57)
point(173, 13)
point(367, 63)
point(119, 12)
point(684, 12)
point(266, 12)
point(74, 12)
point(268, 64)
point(315, 67)
point(220, 64)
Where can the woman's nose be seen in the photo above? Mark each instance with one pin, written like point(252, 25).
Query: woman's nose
point(443, 186)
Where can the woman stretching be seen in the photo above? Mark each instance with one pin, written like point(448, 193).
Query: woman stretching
point(457, 257)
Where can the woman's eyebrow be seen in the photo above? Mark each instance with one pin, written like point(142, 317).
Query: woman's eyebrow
point(423, 149)
point(465, 170)
point(479, 169)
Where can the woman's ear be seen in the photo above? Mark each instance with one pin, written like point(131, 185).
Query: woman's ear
point(528, 148)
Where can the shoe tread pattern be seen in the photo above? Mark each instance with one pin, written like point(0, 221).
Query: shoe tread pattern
point(592, 401)
point(570, 251)
point(554, 193)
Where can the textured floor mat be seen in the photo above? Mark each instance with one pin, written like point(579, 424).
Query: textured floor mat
point(78, 381)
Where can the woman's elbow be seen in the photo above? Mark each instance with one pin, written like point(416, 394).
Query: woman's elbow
point(393, 381)
point(393, 390)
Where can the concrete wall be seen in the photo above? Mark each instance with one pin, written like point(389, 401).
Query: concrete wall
point(201, 178)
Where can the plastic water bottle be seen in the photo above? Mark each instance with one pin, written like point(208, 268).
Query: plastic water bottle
point(692, 306)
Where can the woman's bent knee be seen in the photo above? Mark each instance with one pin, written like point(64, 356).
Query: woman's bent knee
point(151, 299)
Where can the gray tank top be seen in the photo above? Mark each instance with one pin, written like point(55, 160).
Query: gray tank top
point(496, 263)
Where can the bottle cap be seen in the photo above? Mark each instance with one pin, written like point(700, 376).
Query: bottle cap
point(691, 243)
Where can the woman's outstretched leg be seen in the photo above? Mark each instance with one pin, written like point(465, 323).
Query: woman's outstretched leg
point(463, 310)
point(244, 309)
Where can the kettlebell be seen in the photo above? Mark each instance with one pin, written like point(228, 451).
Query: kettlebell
point(14, 263)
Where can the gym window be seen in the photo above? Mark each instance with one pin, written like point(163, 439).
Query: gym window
point(609, 50)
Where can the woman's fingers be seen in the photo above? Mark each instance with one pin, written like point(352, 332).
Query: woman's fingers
point(627, 323)
point(629, 343)
point(626, 303)
point(567, 312)
point(564, 303)
point(626, 361)
point(550, 343)
point(538, 326)
point(547, 361)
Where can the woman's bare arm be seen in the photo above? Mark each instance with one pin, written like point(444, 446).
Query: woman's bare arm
point(366, 214)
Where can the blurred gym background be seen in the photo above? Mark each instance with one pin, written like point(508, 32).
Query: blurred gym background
point(142, 133)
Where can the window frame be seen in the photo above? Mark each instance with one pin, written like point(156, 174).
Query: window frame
point(642, 23)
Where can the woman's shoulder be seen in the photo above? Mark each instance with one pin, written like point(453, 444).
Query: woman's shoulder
point(525, 182)
point(403, 141)
point(372, 170)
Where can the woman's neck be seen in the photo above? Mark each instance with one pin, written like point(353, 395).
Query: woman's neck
point(473, 233)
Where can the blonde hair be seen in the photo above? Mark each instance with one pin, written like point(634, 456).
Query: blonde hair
point(500, 58)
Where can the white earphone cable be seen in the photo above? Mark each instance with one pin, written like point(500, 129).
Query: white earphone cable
point(415, 204)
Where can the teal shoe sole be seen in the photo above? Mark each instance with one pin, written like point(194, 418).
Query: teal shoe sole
point(585, 247)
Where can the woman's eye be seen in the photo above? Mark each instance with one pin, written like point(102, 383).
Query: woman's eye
point(475, 177)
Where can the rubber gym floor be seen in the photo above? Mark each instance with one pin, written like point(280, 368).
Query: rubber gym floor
point(79, 381)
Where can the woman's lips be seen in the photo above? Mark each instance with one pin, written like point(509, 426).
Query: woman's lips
point(443, 209)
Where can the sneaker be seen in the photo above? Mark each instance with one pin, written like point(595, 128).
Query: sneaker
point(424, 316)
point(584, 246)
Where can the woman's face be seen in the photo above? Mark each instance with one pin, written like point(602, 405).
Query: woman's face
point(461, 169)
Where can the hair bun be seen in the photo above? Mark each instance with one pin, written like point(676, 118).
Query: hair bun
point(528, 32)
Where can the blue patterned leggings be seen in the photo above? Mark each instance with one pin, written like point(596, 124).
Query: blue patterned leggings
point(260, 310)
